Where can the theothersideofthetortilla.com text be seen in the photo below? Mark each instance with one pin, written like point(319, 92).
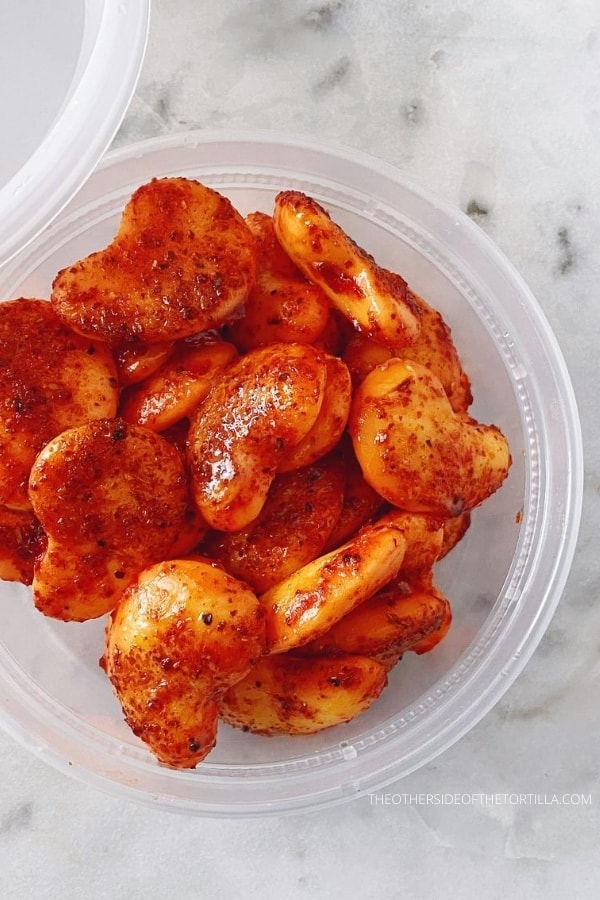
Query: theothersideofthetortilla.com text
point(479, 798)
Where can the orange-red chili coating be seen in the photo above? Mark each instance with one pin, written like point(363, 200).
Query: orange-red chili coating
point(298, 516)
point(262, 406)
point(183, 633)
point(182, 261)
point(111, 498)
point(50, 379)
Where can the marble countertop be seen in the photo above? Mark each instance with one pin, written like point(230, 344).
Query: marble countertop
point(495, 107)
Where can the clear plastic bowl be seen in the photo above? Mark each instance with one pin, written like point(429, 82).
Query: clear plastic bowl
point(504, 579)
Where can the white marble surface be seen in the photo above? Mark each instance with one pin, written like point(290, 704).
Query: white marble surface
point(493, 105)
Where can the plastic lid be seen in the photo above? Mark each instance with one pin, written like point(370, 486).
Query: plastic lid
point(67, 73)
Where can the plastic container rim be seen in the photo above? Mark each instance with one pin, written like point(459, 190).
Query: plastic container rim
point(68, 154)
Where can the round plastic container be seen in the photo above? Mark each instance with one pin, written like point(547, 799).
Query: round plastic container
point(67, 72)
point(504, 579)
